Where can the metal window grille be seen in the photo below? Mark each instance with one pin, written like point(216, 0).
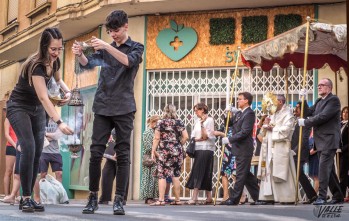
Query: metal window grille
point(12, 12)
point(185, 88)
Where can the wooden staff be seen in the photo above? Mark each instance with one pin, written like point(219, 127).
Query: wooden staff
point(302, 108)
point(337, 153)
point(226, 125)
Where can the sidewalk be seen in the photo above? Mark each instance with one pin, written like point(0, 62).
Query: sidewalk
point(137, 210)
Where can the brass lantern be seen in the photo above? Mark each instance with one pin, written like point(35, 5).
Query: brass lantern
point(75, 120)
point(75, 116)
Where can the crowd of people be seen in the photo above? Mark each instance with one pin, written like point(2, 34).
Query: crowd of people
point(165, 138)
point(324, 133)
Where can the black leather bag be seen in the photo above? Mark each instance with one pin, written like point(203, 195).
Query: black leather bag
point(191, 148)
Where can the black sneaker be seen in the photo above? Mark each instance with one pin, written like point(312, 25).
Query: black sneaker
point(118, 208)
point(92, 204)
point(27, 206)
point(38, 207)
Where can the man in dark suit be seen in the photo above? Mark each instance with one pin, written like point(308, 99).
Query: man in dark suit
point(324, 117)
point(242, 148)
point(304, 156)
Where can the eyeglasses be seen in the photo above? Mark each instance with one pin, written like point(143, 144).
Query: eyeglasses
point(322, 85)
point(54, 50)
point(112, 30)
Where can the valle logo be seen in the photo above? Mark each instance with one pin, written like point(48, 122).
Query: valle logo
point(176, 42)
point(327, 211)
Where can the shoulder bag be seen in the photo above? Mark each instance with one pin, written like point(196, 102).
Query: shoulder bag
point(191, 148)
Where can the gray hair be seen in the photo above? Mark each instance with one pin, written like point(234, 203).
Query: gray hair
point(169, 112)
point(281, 98)
point(330, 84)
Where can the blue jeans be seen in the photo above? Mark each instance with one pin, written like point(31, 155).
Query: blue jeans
point(28, 122)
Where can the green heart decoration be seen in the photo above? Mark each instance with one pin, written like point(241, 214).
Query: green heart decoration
point(176, 42)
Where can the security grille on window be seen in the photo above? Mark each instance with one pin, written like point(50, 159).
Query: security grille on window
point(39, 3)
point(12, 12)
point(185, 88)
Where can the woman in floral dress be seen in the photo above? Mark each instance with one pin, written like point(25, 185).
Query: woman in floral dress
point(149, 187)
point(170, 135)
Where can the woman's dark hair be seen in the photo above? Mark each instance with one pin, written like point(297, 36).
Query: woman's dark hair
point(343, 109)
point(306, 108)
point(261, 121)
point(116, 19)
point(41, 56)
point(201, 106)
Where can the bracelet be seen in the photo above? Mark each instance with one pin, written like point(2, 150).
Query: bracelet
point(80, 55)
point(68, 92)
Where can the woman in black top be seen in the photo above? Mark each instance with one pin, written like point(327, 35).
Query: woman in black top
point(27, 105)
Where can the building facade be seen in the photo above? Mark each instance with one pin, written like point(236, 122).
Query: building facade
point(206, 36)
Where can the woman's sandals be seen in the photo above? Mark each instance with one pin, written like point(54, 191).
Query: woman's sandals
point(158, 203)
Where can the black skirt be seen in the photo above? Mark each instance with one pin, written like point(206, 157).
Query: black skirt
point(201, 172)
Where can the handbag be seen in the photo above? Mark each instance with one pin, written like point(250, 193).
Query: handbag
point(191, 148)
point(147, 161)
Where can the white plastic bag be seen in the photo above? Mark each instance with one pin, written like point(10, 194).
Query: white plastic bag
point(62, 194)
point(48, 193)
point(52, 191)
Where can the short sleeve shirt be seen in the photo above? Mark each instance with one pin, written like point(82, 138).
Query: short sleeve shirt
point(25, 93)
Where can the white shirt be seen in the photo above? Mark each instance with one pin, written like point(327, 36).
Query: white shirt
point(208, 144)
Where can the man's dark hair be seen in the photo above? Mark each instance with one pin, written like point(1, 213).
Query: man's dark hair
point(116, 19)
point(248, 96)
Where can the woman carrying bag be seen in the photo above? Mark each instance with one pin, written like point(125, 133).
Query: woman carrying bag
point(201, 174)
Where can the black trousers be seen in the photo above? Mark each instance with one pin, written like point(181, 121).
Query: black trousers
point(304, 181)
point(327, 175)
point(28, 122)
point(108, 175)
point(343, 171)
point(102, 126)
point(244, 178)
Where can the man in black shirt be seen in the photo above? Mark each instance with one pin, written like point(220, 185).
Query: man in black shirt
point(114, 104)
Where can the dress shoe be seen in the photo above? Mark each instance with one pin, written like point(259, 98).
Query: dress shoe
point(319, 201)
point(311, 200)
point(27, 206)
point(92, 204)
point(38, 207)
point(263, 203)
point(231, 202)
point(335, 201)
point(118, 208)
point(287, 203)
